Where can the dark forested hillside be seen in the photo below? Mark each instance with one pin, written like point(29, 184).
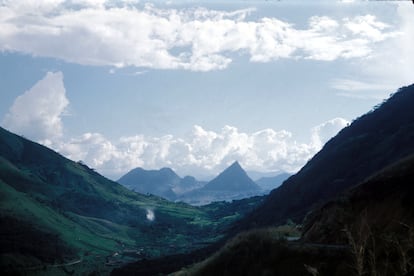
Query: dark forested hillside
point(384, 203)
point(376, 220)
point(357, 194)
point(368, 230)
point(372, 142)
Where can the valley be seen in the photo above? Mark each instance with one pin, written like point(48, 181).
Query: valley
point(352, 203)
point(55, 211)
point(348, 211)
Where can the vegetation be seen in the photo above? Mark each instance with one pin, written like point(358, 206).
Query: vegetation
point(220, 211)
point(367, 231)
point(266, 252)
point(354, 200)
point(375, 219)
point(54, 212)
point(372, 142)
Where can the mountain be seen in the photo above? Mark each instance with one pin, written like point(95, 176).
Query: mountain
point(157, 182)
point(357, 195)
point(368, 230)
point(186, 184)
point(232, 179)
point(383, 201)
point(372, 142)
point(58, 216)
point(256, 175)
point(269, 183)
point(375, 218)
point(164, 182)
point(233, 183)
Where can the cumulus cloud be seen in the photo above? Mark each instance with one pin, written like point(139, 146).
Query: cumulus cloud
point(400, 53)
point(325, 131)
point(204, 152)
point(38, 112)
point(196, 39)
point(372, 76)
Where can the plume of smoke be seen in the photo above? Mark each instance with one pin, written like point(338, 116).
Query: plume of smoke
point(150, 215)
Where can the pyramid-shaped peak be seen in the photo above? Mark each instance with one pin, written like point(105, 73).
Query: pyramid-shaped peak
point(235, 167)
point(232, 178)
point(235, 164)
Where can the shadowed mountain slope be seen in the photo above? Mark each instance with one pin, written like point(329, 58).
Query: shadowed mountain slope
point(372, 142)
point(369, 230)
point(375, 219)
point(382, 203)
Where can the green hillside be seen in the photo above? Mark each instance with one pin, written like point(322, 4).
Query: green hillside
point(54, 211)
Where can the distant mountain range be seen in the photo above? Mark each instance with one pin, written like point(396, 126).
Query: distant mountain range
point(232, 183)
point(269, 183)
point(164, 182)
point(353, 201)
point(55, 212)
point(256, 175)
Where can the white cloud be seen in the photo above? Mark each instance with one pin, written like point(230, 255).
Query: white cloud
point(325, 131)
point(386, 68)
point(37, 113)
point(368, 89)
point(367, 26)
point(196, 39)
point(204, 152)
point(402, 54)
point(353, 85)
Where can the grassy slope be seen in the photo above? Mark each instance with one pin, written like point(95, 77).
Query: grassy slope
point(222, 212)
point(86, 215)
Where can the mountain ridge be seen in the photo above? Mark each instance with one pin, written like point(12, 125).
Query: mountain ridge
point(233, 178)
point(54, 211)
point(157, 182)
point(373, 141)
point(232, 183)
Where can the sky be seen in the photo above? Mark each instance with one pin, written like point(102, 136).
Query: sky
point(197, 85)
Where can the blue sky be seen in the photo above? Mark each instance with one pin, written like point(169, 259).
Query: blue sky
point(195, 85)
